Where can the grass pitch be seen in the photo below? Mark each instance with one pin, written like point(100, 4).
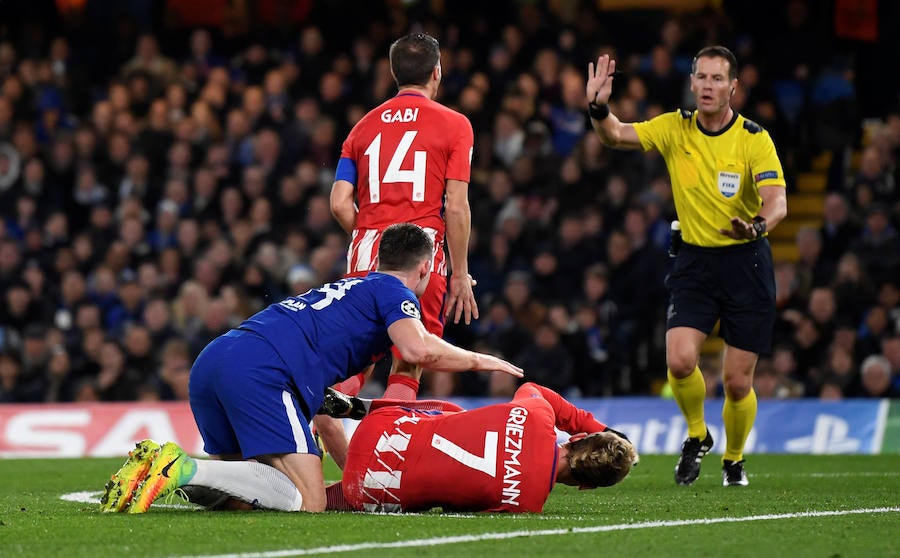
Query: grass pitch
point(795, 506)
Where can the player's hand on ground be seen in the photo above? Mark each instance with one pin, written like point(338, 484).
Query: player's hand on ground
point(461, 299)
point(599, 80)
point(740, 230)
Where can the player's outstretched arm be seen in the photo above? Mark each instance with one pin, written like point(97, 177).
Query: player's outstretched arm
point(418, 346)
point(569, 418)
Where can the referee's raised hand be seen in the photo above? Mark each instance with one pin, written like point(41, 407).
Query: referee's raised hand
point(599, 80)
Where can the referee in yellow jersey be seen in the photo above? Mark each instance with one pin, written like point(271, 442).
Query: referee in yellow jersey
point(729, 189)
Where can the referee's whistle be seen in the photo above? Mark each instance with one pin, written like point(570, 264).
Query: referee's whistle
point(675, 240)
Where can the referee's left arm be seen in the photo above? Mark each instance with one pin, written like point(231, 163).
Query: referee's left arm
point(774, 205)
point(772, 211)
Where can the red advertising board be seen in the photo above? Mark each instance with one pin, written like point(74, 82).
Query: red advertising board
point(95, 430)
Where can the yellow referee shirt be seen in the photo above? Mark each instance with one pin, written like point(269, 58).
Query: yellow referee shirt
point(715, 175)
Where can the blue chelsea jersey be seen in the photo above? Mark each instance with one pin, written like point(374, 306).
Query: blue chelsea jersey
point(329, 333)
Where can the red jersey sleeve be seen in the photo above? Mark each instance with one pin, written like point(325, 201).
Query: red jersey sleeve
point(459, 161)
point(569, 418)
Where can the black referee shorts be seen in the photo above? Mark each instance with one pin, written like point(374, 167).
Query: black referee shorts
point(733, 284)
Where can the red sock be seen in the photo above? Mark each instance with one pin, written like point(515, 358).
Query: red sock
point(401, 387)
point(351, 385)
point(418, 404)
point(334, 498)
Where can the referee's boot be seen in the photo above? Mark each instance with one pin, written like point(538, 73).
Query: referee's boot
point(733, 473)
point(692, 452)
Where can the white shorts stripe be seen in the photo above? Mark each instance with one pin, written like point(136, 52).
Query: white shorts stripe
point(366, 249)
point(362, 255)
point(296, 428)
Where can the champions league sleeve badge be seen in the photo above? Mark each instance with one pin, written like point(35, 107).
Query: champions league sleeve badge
point(410, 309)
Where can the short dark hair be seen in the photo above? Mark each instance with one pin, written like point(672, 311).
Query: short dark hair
point(600, 459)
point(717, 51)
point(403, 246)
point(413, 57)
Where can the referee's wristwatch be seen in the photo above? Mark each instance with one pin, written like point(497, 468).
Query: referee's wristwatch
point(758, 224)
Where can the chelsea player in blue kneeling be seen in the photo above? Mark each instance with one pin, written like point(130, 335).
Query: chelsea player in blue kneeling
point(254, 390)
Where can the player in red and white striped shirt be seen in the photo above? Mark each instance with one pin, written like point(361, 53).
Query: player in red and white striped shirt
point(409, 160)
point(501, 458)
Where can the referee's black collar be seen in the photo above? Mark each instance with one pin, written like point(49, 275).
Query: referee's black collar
point(720, 132)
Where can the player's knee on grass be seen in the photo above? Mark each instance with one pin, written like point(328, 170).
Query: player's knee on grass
point(305, 471)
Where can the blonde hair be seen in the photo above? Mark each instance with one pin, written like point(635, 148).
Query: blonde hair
point(600, 459)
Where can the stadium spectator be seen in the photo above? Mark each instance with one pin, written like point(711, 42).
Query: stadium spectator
point(216, 321)
point(831, 391)
point(890, 348)
point(528, 312)
point(852, 289)
point(812, 269)
point(13, 387)
point(147, 58)
point(59, 376)
point(20, 308)
point(114, 380)
point(838, 230)
point(245, 373)
point(878, 247)
point(876, 378)
point(174, 370)
point(499, 330)
point(873, 182)
point(785, 365)
point(139, 351)
point(765, 380)
point(130, 303)
point(547, 360)
point(839, 371)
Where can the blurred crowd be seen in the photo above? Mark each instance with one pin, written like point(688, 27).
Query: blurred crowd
point(165, 170)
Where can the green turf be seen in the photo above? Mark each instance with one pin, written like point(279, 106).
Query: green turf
point(34, 521)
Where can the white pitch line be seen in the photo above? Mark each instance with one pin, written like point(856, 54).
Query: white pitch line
point(881, 474)
point(828, 475)
point(93, 497)
point(543, 533)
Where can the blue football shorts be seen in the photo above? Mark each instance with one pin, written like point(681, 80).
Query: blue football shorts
point(244, 402)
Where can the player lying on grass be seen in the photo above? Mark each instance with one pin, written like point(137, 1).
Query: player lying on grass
point(501, 458)
point(498, 458)
point(252, 389)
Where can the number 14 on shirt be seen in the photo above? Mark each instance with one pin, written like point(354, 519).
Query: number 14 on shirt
point(394, 173)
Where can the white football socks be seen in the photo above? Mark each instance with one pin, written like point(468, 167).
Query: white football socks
point(257, 484)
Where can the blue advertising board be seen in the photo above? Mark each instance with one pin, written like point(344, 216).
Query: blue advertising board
point(801, 426)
